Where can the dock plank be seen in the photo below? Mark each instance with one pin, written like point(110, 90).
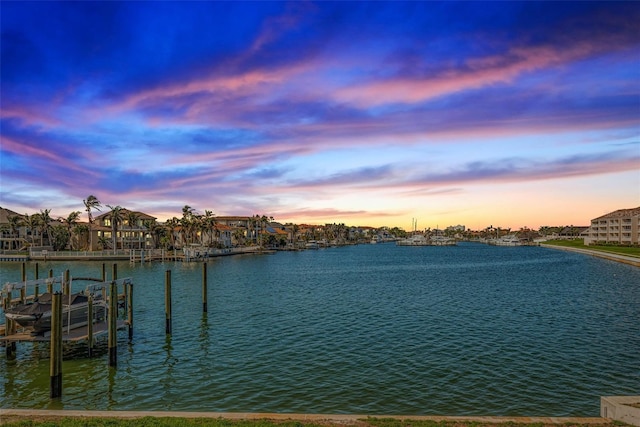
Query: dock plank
point(74, 335)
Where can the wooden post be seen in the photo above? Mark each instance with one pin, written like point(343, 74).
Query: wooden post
point(113, 324)
point(9, 329)
point(114, 272)
point(167, 301)
point(90, 325)
point(50, 284)
point(55, 366)
point(204, 287)
point(23, 291)
point(11, 346)
point(36, 290)
point(125, 290)
point(130, 310)
point(6, 301)
point(104, 273)
point(66, 285)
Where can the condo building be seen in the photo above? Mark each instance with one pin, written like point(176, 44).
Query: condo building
point(618, 227)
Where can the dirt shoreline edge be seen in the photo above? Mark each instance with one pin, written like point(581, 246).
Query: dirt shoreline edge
point(17, 414)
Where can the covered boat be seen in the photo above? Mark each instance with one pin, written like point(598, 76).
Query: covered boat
point(75, 311)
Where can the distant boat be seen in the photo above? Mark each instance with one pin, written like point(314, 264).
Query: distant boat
point(75, 311)
point(421, 240)
point(312, 244)
point(509, 240)
point(415, 240)
point(443, 241)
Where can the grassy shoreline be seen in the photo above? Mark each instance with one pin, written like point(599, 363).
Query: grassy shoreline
point(579, 244)
point(177, 421)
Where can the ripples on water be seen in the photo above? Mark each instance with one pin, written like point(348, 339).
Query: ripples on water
point(379, 329)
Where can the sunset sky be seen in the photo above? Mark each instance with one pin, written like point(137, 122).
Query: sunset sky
point(508, 114)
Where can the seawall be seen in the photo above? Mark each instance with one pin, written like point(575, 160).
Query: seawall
point(635, 261)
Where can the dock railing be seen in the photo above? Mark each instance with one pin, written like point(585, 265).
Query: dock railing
point(78, 254)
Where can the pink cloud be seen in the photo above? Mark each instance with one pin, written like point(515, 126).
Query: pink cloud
point(28, 115)
point(32, 151)
point(478, 73)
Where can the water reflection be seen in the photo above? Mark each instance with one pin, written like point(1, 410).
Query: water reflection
point(361, 329)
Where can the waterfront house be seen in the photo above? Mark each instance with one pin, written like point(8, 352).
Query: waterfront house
point(13, 232)
point(237, 227)
point(132, 231)
point(224, 235)
point(618, 227)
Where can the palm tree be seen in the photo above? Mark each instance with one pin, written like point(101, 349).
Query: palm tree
point(188, 224)
point(294, 232)
point(15, 221)
point(254, 224)
point(239, 237)
point(132, 220)
point(81, 231)
point(156, 231)
point(4, 228)
point(103, 242)
point(170, 226)
point(91, 202)
point(116, 217)
point(45, 225)
point(58, 237)
point(209, 221)
point(69, 222)
point(31, 222)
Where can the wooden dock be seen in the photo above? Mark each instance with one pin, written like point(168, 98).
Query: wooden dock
point(74, 335)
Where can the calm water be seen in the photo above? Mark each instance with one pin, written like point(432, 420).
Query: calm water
point(377, 329)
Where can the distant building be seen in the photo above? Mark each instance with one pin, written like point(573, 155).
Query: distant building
point(618, 227)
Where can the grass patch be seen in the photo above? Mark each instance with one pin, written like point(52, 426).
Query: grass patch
point(20, 421)
point(579, 244)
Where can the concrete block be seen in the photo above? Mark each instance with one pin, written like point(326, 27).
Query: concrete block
point(621, 408)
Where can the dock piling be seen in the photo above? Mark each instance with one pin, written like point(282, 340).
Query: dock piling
point(204, 287)
point(130, 309)
point(113, 323)
point(66, 283)
point(55, 366)
point(90, 326)
point(23, 291)
point(167, 301)
point(36, 290)
point(8, 328)
point(50, 283)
